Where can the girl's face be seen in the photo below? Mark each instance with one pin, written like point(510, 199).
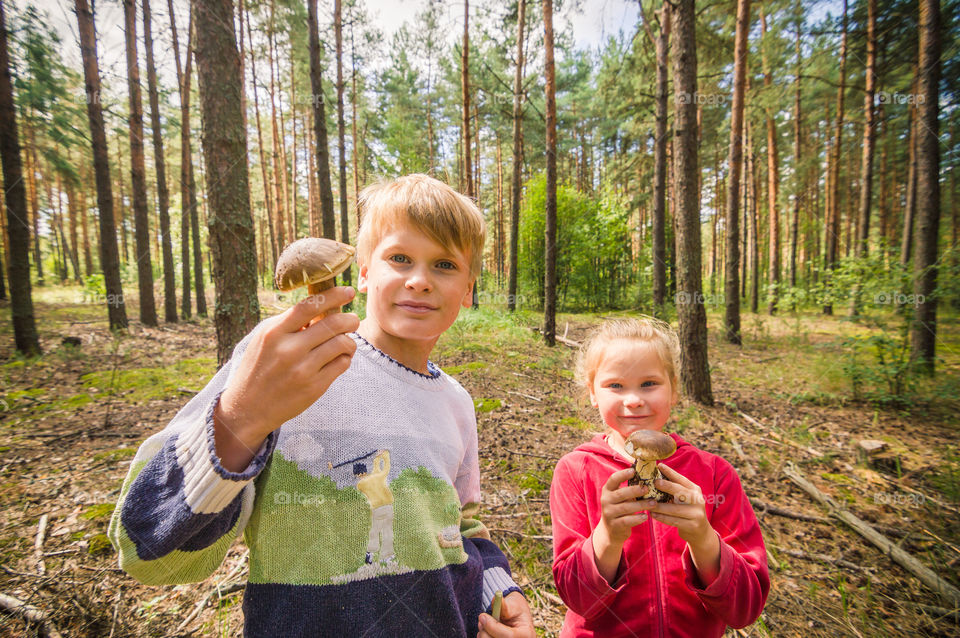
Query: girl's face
point(631, 388)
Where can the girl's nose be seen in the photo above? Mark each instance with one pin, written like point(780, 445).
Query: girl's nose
point(633, 400)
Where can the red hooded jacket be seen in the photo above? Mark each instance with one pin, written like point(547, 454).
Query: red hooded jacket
point(657, 591)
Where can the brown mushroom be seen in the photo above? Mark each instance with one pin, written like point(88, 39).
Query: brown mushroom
point(313, 262)
point(648, 447)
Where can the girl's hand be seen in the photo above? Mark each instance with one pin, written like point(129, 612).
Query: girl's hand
point(516, 621)
point(619, 514)
point(688, 514)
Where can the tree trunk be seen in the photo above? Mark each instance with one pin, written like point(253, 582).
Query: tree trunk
point(195, 232)
point(909, 215)
point(694, 366)
point(279, 161)
point(341, 134)
point(183, 84)
point(320, 127)
point(752, 202)
point(21, 299)
point(74, 243)
point(797, 153)
point(550, 254)
point(465, 93)
point(773, 180)
point(833, 214)
point(923, 333)
point(355, 153)
point(169, 282)
point(735, 163)
point(109, 255)
point(660, 165)
point(225, 150)
point(515, 183)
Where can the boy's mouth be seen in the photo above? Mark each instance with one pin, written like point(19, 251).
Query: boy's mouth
point(417, 307)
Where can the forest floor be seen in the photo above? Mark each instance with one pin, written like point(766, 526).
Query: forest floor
point(71, 420)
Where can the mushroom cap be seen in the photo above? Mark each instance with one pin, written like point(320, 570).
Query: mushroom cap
point(311, 260)
point(650, 445)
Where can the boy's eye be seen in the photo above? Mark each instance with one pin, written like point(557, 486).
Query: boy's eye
point(446, 265)
point(400, 259)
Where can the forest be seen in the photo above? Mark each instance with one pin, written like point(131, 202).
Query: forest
point(777, 179)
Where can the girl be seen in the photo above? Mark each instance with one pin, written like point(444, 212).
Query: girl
point(626, 566)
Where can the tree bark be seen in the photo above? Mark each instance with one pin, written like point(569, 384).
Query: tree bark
point(109, 254)
point(183, 84)
point(225, 151)
point(465, 94)
point(138, 171)
point(515, 183)
point(694, 365)
point(550, 254)
point(660, 164)
point(735, 162)
point(797, 156)
point(773, 180)
point(910, 213)
point(320, 127)
point(341, 134)
point(833, 214)
point(169, 281)
point(21, 298)
point(923, 333)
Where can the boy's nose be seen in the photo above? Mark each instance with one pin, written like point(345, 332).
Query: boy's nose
point(418, 280)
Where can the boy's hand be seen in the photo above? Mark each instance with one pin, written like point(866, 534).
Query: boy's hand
point(287, 366)
point(516, 621)
point(688, 514)
point(619, 514)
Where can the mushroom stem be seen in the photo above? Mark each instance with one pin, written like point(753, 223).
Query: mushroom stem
point(319, 288)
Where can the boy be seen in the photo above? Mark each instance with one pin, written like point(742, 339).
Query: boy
point(395, 552)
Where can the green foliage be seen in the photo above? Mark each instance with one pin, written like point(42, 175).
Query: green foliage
point(103, 510)
point(144, 384)
point(594, 268)
point(878, 367)
point(486, 405)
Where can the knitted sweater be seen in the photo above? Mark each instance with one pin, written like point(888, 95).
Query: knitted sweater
point(358, 512)
point(657, 591)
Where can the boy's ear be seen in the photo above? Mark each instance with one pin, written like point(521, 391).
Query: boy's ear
point(467, 301)
point(362, 279)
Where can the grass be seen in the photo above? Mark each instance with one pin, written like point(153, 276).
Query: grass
point(144, 384)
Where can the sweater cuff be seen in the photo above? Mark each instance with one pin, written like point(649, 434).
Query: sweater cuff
point(209, 487)
point(595, 579)
point(496, 579)
point(720, 584)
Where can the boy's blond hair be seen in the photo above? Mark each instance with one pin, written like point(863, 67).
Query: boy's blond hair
point(658, 334)
point(441, 213)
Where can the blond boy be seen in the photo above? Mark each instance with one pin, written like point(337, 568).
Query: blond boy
point(267, 449)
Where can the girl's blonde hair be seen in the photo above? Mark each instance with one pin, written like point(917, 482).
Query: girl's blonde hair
point(658, 334)
point(438, 211)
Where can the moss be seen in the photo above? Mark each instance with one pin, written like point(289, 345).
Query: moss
point(473, 365)
point(144, 384)
point(486, 405)
point(94, 512)
point(837, 478)
point(100, 545)
point(576, 422)
point(115, 455)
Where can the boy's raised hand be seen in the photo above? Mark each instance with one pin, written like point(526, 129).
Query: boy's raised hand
point(516, 621)
point(287, 366)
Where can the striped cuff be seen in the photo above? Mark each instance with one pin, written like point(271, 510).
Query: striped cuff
point(496, 579)
point(208, 487)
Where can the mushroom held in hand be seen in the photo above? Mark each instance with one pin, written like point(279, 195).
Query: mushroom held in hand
point(648, 447)
point(313, 262)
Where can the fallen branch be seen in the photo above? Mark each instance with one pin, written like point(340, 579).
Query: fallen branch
point(796, 553)
point(812, 518)
point(944, 589)
point(780, 437)
point(219, 589)
point(29, 613)
point(567, 342)
point(38, 544)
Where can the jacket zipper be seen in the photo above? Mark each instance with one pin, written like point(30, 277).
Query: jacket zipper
point(656, 574)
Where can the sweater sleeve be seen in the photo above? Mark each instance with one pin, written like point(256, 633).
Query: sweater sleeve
point(179, 510)
point(740, 590)
point(581, 586)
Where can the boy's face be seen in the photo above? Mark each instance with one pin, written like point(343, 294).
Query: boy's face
point(415, 287)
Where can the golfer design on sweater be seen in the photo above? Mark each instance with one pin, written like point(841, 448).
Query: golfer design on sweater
point(374, 487)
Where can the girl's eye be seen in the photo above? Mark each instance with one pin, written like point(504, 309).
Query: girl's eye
point(614, 386)
point(649, 384)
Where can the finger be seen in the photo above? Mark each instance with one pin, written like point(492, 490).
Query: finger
point(327, 352)
point(630, 493)
point(293, 319)
point(490, 627)
point(330, 326)
point(667, 519)
point(675, 510)
point(675, 476)
point(617, 478)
